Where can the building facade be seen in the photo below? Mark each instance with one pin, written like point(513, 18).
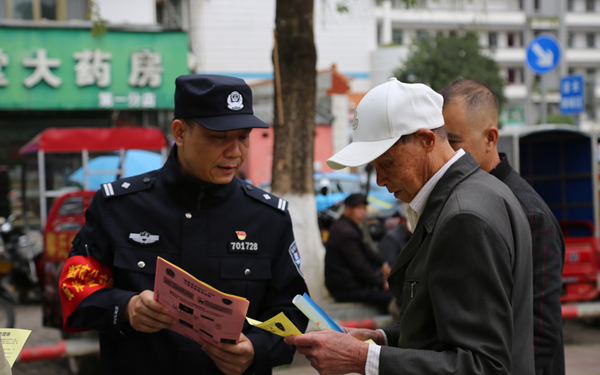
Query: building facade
point(59, 69)
point(505, 27)
point(371, 39)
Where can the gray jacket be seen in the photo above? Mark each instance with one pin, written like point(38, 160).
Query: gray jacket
point(465, 282)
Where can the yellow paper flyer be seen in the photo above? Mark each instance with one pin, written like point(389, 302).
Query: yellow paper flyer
point(12, 342)
point(279, 325)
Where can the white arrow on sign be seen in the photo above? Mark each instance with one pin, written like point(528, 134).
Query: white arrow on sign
point(545, 58)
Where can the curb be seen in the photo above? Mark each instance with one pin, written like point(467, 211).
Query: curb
point(65, 348)
point(581, 310)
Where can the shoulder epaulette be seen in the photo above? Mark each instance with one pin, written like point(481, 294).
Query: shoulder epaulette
point(265, 197)
point(127, 185)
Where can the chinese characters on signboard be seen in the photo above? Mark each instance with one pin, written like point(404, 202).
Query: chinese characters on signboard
point(3, 64)
point(94, 68)
point(571, 94)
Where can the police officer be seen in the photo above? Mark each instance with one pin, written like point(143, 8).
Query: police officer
point(196, 214)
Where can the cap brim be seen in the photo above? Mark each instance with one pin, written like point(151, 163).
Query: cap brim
point(230, 122)
point(360, 153)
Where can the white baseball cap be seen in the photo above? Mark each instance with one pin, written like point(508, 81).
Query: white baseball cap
point(385, 114)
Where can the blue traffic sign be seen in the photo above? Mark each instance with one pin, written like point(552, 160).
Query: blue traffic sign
point(571, 94)
point(543, 54)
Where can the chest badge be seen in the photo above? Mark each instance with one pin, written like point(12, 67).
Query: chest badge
point(144, 238)
point(241, 245)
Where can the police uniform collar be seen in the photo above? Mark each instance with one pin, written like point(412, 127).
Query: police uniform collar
point(186, 190)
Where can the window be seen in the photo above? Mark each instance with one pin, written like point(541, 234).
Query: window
point(521, 39)
point(590, 85)
point(511, 75)
point(520, 4)
point(397, 36)
point(493, 39)
point(521, 75)
point(590, 40)
point(421, 35)
point(77, 10)
point(399, 4)
point(571, 40)
point(510, 39)
point(49, 10)
point(22, 9)
point(590, 5)
point(570, 7)
point(536, 4)
point(571, 71)
point(515, 76)
point(43, 9)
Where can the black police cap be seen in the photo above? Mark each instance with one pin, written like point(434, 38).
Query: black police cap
point(355, 199)
point(218, 103)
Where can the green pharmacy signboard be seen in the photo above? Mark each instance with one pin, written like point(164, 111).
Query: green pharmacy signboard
point(69, 69)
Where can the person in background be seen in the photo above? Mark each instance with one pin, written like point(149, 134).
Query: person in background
point(353, 271)
point(464, 278)
point(395, 237)
point(194, 213)
point(471, 116)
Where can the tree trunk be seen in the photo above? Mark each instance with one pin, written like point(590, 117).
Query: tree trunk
point(293, 148)
point(292, 174)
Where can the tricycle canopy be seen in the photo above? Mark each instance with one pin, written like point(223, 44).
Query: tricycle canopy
point(560, 162)
point(95, 140)
point(85, 140)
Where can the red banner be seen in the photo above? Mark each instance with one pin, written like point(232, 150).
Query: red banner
point(80, 277)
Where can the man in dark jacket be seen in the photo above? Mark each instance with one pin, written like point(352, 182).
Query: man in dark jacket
point(395, 238)
point(471, 115)
point(353, 271)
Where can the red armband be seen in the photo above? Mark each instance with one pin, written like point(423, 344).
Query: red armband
point(80, 277)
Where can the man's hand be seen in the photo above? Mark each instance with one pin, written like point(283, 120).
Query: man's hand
point(229, 358)
point(385, 272)
point(145, 314)
point(364, 334)
point(332, 352)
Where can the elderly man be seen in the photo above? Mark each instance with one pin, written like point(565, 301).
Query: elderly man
point(464, 278)
point(471, 115)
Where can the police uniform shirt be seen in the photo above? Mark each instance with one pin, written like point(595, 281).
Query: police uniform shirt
point(235, 237)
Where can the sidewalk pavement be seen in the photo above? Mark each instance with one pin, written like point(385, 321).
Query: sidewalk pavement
point(582, 348)
point(580, 360)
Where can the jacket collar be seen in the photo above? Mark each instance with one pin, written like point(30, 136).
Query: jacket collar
point(189, 192)
point(352, 223)
point(461, 169)
point(503, 169)
point(458, 172)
